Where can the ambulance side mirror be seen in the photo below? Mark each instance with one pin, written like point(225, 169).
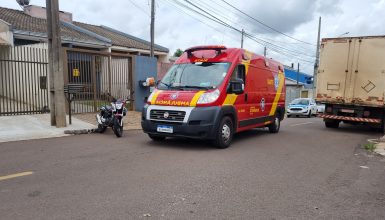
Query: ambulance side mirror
point(236, 86)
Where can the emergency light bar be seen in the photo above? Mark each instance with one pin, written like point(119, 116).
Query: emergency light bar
point(218, 49)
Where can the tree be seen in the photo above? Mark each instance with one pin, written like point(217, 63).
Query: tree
point(178, 53)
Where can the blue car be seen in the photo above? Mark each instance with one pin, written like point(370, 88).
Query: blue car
point(302, 107)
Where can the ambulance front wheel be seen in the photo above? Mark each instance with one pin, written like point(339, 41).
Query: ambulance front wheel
point(274, 127)
point(225, 133)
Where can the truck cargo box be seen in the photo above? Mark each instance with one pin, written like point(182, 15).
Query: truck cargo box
point(352, 71)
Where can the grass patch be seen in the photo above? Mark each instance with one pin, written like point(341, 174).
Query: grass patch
point(370, 146)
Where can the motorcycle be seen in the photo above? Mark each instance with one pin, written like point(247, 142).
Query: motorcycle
point(112, 116)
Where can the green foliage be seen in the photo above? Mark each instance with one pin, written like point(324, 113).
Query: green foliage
point(178, 53)
point(370, 146)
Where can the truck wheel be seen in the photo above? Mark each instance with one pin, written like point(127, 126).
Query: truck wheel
point(332, 124)
point(225, 133)
point(156, 137)
point(274, 127)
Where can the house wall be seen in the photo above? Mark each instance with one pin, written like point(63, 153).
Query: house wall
point(40, 12)
point(5, 32)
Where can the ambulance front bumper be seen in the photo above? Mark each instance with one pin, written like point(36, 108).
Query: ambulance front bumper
point(198, 123)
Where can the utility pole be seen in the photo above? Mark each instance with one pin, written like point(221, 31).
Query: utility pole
point(56, 77)
point(298, 74)
point(152, 27)
point(243, 33)
point(264, 51)
point(316, 60)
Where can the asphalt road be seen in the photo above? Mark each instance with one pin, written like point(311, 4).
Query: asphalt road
point(304, 172)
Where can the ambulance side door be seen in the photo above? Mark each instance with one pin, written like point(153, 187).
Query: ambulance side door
point(240, 104)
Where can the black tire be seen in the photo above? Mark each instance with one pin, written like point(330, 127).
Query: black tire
point(101, 128)
point(309, 115)
point(288, 116)
point(156, 137)
point(332, 124)
point(276, 125)
point(118, 130)
point(225, 133)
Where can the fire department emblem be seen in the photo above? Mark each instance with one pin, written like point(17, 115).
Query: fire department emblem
point(174, 96)
point(262, 104)
point(276, 82)
point(165, 115)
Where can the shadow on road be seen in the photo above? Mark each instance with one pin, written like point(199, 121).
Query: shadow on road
point(196, 144)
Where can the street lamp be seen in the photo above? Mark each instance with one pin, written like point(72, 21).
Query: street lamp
point(344, 34)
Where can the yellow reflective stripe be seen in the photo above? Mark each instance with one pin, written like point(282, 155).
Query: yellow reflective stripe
point(195, 98)
point(278, 94)
point(155, 97)
point(230, 99)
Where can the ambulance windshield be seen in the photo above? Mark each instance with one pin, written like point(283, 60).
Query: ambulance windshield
point(192, 76)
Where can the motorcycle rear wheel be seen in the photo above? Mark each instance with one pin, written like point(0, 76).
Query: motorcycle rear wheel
point(101, 128)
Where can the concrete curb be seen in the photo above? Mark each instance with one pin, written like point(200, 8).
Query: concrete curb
point(81, 131)
point(91, 131)
point(380, 145)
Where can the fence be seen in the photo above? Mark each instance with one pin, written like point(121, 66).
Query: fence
point(100, 74)
point(23, 80)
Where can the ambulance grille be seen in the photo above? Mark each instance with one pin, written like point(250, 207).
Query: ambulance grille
point(172, 116)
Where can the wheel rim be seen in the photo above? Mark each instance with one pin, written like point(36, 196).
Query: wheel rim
point(226, 132)
point(276, 122)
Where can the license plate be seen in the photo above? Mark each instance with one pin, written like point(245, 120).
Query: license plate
point(347, 110)
point(165, 129)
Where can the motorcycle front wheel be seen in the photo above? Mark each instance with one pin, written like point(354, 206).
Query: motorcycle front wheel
point(118, 130)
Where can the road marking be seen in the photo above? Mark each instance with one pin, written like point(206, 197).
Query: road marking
point(305, 123)
point(15, 175)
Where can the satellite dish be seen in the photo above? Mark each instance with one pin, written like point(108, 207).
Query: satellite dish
point(23, 3)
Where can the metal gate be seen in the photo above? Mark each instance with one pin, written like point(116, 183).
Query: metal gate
point(98, 74)
point(23, 80)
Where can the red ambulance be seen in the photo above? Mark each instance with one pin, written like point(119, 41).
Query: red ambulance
point(212, 92)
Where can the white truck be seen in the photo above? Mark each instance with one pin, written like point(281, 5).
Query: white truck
point(351, 81)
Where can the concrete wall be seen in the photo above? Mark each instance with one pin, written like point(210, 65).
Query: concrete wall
point(143, 67)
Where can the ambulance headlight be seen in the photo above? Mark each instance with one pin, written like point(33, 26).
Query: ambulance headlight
point(208, 97)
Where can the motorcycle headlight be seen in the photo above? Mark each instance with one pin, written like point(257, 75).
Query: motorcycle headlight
point(118, 105)
point(208, 97)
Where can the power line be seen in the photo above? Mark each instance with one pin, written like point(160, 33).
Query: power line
point(219, 21)
point(265, 25)
point(140, 8)
point(280, 50)
point(220, 13)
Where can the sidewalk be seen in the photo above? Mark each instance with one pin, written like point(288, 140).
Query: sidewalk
point(380, 147)
point(27, 127)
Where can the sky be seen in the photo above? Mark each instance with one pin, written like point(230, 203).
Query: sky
point(288, 28)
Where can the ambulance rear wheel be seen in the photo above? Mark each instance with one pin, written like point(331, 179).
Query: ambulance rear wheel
point(225, 133)
point(274, 127)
